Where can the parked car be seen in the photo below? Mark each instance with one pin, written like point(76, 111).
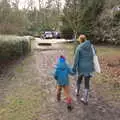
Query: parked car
point(48, 34)
point(56, 34)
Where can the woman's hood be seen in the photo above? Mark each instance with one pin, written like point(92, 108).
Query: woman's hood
point(86, 45)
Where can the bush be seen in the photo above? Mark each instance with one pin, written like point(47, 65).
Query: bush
point(12, 47)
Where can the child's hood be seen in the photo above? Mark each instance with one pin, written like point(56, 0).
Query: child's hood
point(61, 65)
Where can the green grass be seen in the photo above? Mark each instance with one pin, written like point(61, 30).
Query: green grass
point(24, 97)
point(23, 104)
point(107, 50)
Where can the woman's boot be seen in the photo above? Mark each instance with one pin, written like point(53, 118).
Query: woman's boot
point(84, 99)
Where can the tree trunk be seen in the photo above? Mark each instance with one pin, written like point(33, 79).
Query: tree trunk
point(75, 38)
point(75, 35)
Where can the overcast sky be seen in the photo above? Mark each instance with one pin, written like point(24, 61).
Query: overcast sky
point(24, 3)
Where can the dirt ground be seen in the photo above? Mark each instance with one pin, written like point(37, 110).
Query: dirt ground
point(28, 92)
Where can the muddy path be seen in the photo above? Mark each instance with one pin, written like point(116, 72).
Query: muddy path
point(27, 92)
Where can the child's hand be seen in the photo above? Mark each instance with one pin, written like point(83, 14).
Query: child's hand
point(72, 72)
point(55, 77)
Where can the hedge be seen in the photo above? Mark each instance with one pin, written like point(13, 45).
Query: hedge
point(13, 47)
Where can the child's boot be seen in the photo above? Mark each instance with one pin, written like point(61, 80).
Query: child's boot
point(69, 107)
point(58, 96)
point(69, 102)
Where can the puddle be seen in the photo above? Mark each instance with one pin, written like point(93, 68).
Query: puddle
point(44, 44)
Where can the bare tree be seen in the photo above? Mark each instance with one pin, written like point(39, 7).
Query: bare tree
point(73, 15)
point(49, 4)
point(15, 3)
point(58, 5)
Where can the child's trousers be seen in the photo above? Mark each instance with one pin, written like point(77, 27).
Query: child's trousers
point(66, 92)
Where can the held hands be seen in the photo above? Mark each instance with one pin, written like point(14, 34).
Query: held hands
point(74, 70)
